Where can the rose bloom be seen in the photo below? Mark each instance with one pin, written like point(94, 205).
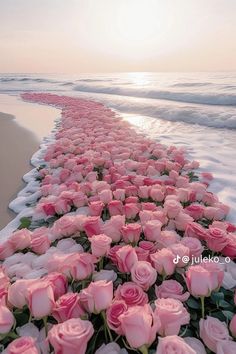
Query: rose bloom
point(163, 261)
point(194, 245)
point(132, 294)
point(104, 274)
point(172, 315)
point(97, 296)
point(212, 331)
point(196, 345)
point(100, 245)
point(131, 232)
point(112, 227)
point(182, 220)
point(96, 208)
point(194, 229)
point(117, 308)
point(6, 250)
point(92, 226)
point(7, 319)
point(126, 257)
point(173, 344)
point(40, 244)
point(65, 226)
point(143, 274)
point(180, 250)
point(232, 326)
point(157, 194)
point(230, 249)
point(131, 210)
point(119, 194)
point(152, 230)
point(202, 279)
point(26, 345)
point(71, 336)
point(20, 239)
point(172, 208)
point(139, 326)
point(66, 307)
point(171, 289)
point(115, 207)
point(79, 266)
point(167, 238)
point(105, 196)
point(226, 347)
point(40, 298)
point(110, 348)
point(17, 292)
point(216, 239)
point(195, 211)
point(58, 283)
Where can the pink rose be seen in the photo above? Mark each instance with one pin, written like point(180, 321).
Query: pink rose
point(66, 307)
point(157, 194)
point(213, 213)
point(6, 250)
point(96, 208)
point(126, 257)
point(97, 296)
point(58, 283)
point(92, 226)
point(17, 292)
point(132, 294)
point(172, 208)
point(216, 239)
point(195, 211)
point(172, 315)
point(110, 348)
point(100, 245)
point(119, 194)
point(195, 344)
point(194, 229)
point(182, 220)
point(131, 210)
point(182, 251)
point(40, 298)
point(71, 336)
point(202, 279)
point(212, 331)
point(163, 261)
point(171, 289)
point(79, 266)
point(40, 244)
point(115, 207)
point(194, 245)
point(152, 230)
point(105, 196)
point(143, 274)
point(139, 326)
point(112, 227)
point(20, 239)
point(26, 345)
point(225, 347)
point(65, 226)
point(113, 312)
point(167, 238)
point(232, 326)
point(230, 249)
point(131, 232)
point(6, 319)
point(143, 192)
point(173, 344)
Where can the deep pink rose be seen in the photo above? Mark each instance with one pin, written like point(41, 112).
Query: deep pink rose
point(58, 283)
point(195, 211)
point(117, 308)
point(92, 226)
point(115, 207)
point(66, 307)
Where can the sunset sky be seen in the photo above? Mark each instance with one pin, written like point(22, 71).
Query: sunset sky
point(75, 36)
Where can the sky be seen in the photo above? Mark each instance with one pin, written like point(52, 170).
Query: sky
point(86, 36)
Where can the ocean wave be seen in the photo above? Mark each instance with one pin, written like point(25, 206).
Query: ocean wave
point(188, 97)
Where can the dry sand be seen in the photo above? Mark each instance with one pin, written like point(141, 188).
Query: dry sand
point(17, 145)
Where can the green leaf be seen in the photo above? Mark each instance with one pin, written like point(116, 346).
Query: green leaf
point(216, 297)
point(193, 304)
point(228, 314)
point(24, 223)
point(224, 304)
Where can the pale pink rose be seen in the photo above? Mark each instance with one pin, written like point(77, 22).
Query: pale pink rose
point(62, 206)
point(157, 194)
point(212, 331)
point(97, 296)
point(131, 210)
point(143, 274)
point(195, 211)
point(40, 244)
point(110, 348)
point(92, 226)
point(202, 279)
point(117, 308)
point(4, 280)
point(115, 207)
point(225, 347)
point(216, 239)
point(17, 292)
point(26, 345)
point(71, 336)
point(230, 249)
point(172, 208)
point(40, 298)
point(79, 199)
point(174, 344)
point(149, 206)
point(65, 226)
point(79, 266)
point(20, 239)
point(232, 326)
point(209, 198)
point(119, 194)
point(171, 289)
point(96, 208)
point(139, 326)
point(167, 238)
point(105, 196)
point(6, 250)
point(66, 307)
point(100, 245)
point(172, 315)
point(213, 213)
point(131, 232)
point(58, 283)
point(181, 251)
point(112, 227)
point(183, 194)
point(194, 229)
point(126, 257)
point(195, 344)
point(132, 294)
point(143, 192)
point(104, 274)
point(182, 220)
point(7, 319)
point(163, 261)
point(194, 245)
point(152, 230)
